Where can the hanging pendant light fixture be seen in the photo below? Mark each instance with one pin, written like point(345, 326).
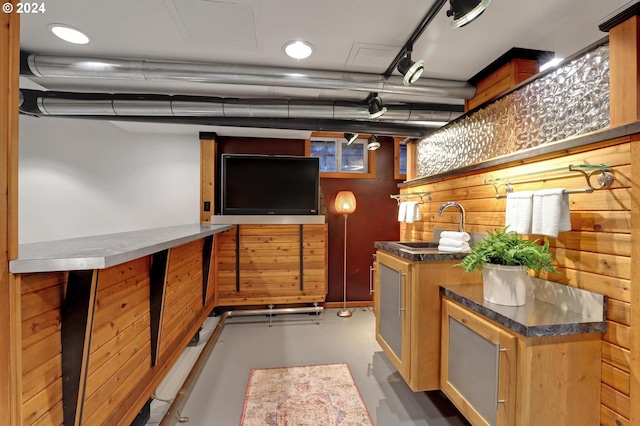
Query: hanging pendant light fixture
point(351, 137)
point(373, 144)
point(409, 69)
point(465, 11)
point(376, 107)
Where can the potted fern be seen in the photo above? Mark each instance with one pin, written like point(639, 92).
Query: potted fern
point(503, 258)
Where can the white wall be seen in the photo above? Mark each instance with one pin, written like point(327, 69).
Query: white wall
point(89, 177)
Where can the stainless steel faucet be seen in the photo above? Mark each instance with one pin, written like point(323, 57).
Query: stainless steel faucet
point(456, 205)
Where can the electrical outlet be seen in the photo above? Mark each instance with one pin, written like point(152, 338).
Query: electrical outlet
point(207, 206)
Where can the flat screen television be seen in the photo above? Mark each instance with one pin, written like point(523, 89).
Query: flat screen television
point(269, 185)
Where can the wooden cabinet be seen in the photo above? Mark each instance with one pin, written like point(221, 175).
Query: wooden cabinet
point(498, 377)
point(407, 307)
point(392, 317)
point(271, 264)
point(478, 366)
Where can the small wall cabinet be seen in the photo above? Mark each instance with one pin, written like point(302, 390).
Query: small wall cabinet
point(496, 376)
point(271, 264)
point(407, 307)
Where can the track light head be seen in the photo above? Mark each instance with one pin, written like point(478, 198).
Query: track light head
point(410, 70)
point(376, 107)
point(373, 144)
point(350, 137)
point(465, 11)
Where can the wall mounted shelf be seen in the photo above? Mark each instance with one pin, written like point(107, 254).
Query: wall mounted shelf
point(605, 178)
point(404, 197)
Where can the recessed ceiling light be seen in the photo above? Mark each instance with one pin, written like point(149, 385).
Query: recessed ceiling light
point(298, 49)
point(69, 34)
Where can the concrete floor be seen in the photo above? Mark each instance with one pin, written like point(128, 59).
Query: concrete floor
point(294, 340)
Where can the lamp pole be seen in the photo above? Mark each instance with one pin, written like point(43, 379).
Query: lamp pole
point(344, 312)
point(345, 203)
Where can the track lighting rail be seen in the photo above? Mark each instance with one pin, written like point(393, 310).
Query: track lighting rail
point(605, 178)
point(404, 197)
point(431, 13)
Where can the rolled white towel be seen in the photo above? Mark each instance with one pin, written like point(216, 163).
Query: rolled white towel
point(462, 249)
point(454, 235)
point(452, 242)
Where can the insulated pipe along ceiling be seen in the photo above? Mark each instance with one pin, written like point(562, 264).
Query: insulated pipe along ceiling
point(106, 105)
point(52, 66)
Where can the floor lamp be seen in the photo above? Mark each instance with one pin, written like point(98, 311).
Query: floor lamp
point(345, 204)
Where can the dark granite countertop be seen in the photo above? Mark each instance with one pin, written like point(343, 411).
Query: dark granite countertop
point(422, 255)
point(535, 318)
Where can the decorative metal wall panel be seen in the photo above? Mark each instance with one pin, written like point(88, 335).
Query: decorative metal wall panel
point(570, 101)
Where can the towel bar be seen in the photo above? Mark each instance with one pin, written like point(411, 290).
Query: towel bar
point(605, 178)
point(404, 197)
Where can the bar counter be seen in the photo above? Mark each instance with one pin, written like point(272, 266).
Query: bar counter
point(115, 311)
point(104, 251)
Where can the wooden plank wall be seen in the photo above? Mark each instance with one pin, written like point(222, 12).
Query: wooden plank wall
point(270, 265)
point(120, 375)
point(595, 255)
point(183, 297)
point(42, 296)
point(10, 340)
point(121, 341)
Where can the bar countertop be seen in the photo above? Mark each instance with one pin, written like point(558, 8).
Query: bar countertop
point(104, 251)
point(536, 318)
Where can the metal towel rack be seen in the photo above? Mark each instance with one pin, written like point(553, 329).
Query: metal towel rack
point(605, 178)
point(405, 197)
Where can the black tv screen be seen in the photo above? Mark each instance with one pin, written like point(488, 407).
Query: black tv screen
point(269, 185)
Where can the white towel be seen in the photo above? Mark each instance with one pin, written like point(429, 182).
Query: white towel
point(453, 235)
point(519, 212)
point(551, 213)
point(462, 249)
point(402, 211)
point(413, 212)
point(452, 242)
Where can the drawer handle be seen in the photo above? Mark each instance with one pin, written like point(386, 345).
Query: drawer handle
point(400, 282)
point(371, 269)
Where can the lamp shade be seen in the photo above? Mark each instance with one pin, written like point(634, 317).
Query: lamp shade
point(351, 137)
point(410, 70)
point(465, 11)
point(345, 202)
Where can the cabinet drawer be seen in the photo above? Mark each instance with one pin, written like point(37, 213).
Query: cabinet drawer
point(478, 370)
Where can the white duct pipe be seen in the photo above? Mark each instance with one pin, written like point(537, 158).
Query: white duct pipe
point(42, 65)
point(53, 104)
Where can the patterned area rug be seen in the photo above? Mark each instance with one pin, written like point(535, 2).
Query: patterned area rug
point(316, 395)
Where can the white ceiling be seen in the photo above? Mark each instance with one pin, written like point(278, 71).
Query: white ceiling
point(360, 36)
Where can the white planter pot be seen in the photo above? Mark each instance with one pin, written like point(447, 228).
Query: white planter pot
point(504, 285)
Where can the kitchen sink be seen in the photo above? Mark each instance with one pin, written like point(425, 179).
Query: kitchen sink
point(415, 246)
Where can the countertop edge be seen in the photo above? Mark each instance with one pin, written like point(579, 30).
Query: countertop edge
point(137, 247)
point(430, 255)
point(522, 329)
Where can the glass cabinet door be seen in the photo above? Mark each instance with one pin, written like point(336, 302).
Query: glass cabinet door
point(392, 313)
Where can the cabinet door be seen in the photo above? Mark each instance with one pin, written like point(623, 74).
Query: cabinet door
point(392, 310)
point(478, 363)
